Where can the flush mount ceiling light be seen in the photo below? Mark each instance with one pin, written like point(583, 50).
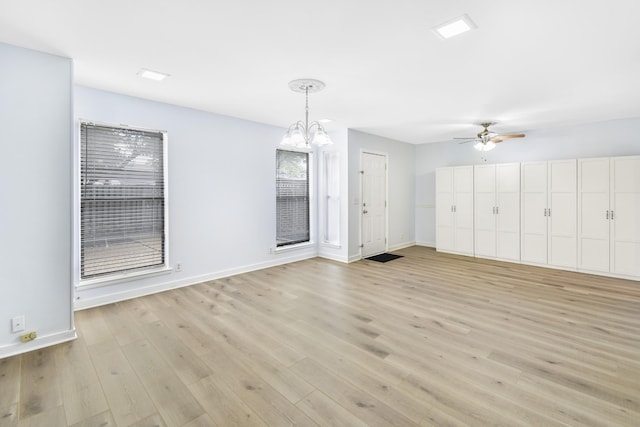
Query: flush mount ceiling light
point(454, 27)
point(302, 134)
point(152, 75)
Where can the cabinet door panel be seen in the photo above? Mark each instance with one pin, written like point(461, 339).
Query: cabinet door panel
point(625, 205)
point(563, 218)
point(484, 211)
point(508, 226)
point(444, 210)
point(485, 224)
point(464, 221)
point(533, 213)
point(593, 205)
point(508, 218)
point(562, 230)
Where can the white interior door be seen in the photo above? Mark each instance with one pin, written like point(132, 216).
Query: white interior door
point(534, 212)
point(625, 211)
point(593, 215)
point(374, 201)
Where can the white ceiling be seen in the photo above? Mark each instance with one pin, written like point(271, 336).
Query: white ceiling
point(529, 65)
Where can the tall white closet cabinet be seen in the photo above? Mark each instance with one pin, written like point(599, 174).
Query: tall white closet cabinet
point(609, 215)
point(497, 211)
point(454, 209)
point(549, 213)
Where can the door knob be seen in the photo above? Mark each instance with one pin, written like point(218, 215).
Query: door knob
point(364, 212)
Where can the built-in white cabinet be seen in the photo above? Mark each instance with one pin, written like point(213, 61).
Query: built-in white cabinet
point(454, 209)
point(609, 215)
point(549, 213)
point(581, 215)
point(497, 211)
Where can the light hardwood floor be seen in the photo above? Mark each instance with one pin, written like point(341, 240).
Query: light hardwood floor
point(428, 339)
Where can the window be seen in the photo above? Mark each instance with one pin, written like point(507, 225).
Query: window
point(331, 195)
point(122, 200)
point(292, 197)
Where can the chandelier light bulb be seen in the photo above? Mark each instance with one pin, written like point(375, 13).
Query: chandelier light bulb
point(321, 137)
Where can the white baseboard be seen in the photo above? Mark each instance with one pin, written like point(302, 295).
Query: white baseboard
point(427, 244)
point(38, 343)
point(401, 246)
point(354, 258)
point(90, 302)
point(333, 257)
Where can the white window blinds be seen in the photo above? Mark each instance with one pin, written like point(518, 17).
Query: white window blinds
point(292, 197)
point(122, 200)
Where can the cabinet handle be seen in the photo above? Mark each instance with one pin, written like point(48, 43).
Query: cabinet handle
point(607, 214)
point(452, 209)
point(611, 214)
point(545, 211)
point(497, 210)
point(549, 212)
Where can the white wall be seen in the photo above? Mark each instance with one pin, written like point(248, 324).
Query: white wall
point(35, 197)
point(221, 192)
point(401, 188)
point(602, 139)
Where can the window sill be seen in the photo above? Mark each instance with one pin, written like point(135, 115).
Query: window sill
point(297, 246)
point(121, 277)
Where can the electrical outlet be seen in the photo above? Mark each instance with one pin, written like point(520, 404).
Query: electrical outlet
point(178, 266)
point(28, 337)
point(17, 324)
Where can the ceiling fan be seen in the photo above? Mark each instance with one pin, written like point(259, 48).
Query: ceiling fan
point(486, 140)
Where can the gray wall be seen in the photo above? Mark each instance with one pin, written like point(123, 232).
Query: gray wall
point(401, 187)
point(35, 197)
point(602, 139)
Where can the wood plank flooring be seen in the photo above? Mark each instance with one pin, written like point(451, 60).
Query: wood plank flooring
point(426, 340)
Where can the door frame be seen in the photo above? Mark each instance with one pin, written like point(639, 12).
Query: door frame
point(386, 198)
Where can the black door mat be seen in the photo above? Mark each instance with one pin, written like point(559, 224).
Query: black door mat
point(384, 257)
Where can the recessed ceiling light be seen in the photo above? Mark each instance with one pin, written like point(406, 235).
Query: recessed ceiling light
point(152, 75)
point(455, 26)
point(325, 120)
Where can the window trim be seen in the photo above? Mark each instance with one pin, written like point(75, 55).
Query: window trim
point(312, 203)
point(116, 277)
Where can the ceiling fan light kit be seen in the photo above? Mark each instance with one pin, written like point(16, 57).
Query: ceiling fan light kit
point(302, 134)
point(486, 140)
point(484, 146)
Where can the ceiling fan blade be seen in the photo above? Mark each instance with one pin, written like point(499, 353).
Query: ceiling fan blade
point(468, 140)
point(500, 138)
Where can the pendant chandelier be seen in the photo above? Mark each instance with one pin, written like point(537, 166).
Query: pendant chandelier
point(303, 134)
